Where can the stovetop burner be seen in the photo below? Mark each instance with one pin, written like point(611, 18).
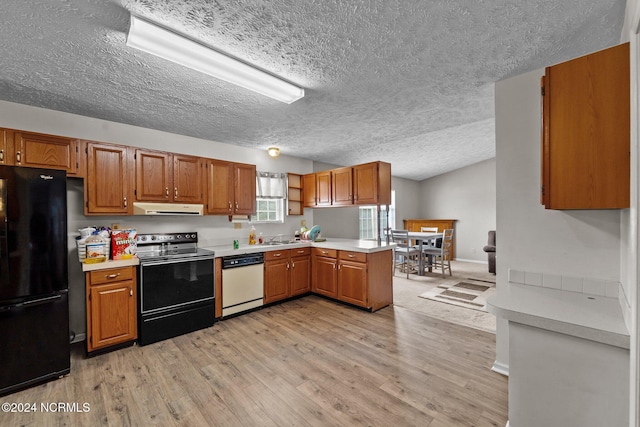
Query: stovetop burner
point(169, 246)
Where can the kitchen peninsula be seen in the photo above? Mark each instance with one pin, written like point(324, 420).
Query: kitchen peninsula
point(357, 272)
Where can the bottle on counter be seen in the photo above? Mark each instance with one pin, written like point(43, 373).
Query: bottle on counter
point(252, 235)
point(260, 239)
point(96, 249)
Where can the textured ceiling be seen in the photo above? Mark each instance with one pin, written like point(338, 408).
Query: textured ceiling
point(409, 82)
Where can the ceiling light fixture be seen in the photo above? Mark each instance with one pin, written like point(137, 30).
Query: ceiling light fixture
point(176, 48)
point(273, 151)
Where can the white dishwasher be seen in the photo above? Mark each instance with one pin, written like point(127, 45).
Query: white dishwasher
point(242, 283)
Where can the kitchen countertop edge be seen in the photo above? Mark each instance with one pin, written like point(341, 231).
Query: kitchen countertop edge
point(365, 246)
point(110, 264)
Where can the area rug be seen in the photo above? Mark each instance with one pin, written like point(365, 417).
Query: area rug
point(471, 293)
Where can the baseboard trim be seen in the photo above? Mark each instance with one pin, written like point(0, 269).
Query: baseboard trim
point(500, 368)
point(471, 260)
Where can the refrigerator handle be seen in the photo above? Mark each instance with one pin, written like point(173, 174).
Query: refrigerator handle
point(32, 303)
point(4, 235)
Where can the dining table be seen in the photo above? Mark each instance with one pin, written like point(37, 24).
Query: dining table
point(420, 237)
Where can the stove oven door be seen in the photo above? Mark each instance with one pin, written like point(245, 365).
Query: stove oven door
point(175, 297)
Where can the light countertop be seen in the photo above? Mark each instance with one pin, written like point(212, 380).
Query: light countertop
point(366, 246)
point(110, 264)
point(596, 318)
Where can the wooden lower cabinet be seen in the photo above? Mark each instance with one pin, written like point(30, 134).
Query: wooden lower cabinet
point(111, 307)
point(325, 272)
point(286, 274)
point(362, 279)
point(300, 271)
point(276, 276)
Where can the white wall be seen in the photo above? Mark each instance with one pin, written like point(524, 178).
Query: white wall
point(469, 196)
point(212, 230)
point(572, 243)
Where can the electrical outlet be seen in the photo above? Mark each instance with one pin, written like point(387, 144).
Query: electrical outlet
point(303, 223)
point(237, 225)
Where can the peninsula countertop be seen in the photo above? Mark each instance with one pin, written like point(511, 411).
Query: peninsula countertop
point(365, 246)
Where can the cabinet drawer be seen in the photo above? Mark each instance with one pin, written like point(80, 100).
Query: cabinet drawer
point(111, 275)
point(331, 253)
point(300, 252)
point(353, 256)
point(279, 254)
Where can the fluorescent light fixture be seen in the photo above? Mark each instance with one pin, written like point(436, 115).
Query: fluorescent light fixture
point(176, 48)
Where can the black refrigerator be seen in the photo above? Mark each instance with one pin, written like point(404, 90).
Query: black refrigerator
point(34, 308)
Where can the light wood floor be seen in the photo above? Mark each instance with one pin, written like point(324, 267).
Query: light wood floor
point(308, 362)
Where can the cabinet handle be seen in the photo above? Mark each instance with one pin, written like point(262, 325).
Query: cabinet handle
point(300, 252)
point(278, 254)
point(175, 192)
point(293, 264)
point(334, 265)
point(229, 205)
point(351, 256)
point(1, 155)
point(112, 276)
point(166, 192)
point(287, 266)
point(124, 202)
point(236, 206)
point(18, 157)
point(130, 292)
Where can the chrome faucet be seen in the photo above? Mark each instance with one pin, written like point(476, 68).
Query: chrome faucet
point(279, 236)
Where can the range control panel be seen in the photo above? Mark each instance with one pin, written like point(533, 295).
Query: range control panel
point(151, 239)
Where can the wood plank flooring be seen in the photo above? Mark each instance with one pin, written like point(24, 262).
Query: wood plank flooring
point(307, 362)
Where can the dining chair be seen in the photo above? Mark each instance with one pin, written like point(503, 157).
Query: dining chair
point(404, 249)
point(432, 242)
point(441, 257)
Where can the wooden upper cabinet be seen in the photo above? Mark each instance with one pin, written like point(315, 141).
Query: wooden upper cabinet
point(244, 189)
point(6, 147)
point(323, 188)
point(42, 151)
point(220, 187)
point(107, 185)
point(153, 176)
point(167, 177)
point(342, 186)
point(372, 183)
point(187, 179)
point(309, 193)
point(231, 188)
point(586, 132)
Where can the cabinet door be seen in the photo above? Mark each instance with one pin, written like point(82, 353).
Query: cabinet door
point(187, 179)
point(342, 181)
point(309, 193)
point(107, 186)
point(586, 132)
point(6, 147)
point(352, 282)
point(45, 151)
point(323, 188)
point(324, 281)
point(245, 189)
point(366, 183)
point(220, 187)
point(112, 314)
point(276, 280)
point(153, 176)
point(300, 275)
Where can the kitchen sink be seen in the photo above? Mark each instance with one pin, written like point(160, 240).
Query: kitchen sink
point(275, 243)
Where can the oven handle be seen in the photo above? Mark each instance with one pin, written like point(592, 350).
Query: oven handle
point(176, 261)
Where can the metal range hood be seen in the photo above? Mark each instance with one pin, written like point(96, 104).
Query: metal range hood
point(140, 208)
